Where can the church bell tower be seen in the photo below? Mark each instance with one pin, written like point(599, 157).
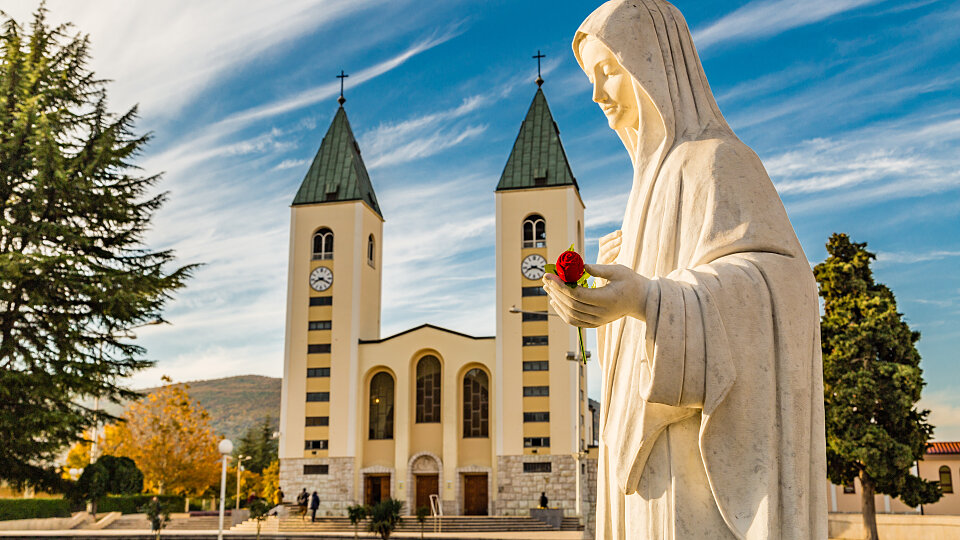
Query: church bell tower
point(333, 302)
point(541, 386)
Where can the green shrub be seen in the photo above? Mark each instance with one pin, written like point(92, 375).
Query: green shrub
point(130, 504)
point(33, 508)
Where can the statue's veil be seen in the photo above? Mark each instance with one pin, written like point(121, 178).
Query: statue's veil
point(651, 41)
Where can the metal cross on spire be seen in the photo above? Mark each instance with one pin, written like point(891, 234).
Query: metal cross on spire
point(538, 57)
point(341, 76)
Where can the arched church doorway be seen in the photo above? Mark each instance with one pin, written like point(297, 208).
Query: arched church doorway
point(426, 479)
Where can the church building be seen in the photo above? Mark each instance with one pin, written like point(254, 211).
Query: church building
point(474, 425)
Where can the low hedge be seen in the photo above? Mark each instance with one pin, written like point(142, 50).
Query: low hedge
point(130, 504)
point(33, 508)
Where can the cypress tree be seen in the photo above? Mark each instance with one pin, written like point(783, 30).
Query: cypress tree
point(872, 381)
point(74, 271)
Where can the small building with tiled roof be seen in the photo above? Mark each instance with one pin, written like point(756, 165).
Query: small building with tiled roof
point(939, 448)
point(940, 463)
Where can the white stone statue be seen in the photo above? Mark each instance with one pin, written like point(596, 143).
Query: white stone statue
point(711, 412)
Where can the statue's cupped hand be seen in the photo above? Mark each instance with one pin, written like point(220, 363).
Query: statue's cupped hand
point(625, 294)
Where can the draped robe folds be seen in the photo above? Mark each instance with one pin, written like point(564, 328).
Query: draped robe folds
point(717, 396)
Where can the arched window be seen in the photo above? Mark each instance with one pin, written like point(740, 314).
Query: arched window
point(534, 231)
point(371, 251)
point(428, 390)
point(381, 406)
point(476, 404)
point(946, 481)
point(323, 244)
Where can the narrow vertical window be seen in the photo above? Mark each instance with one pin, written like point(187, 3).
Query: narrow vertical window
point(476, 404)
point(323, 244)
point(371, 251)
point(428, 390)
point(534, 232)
point(381, 406)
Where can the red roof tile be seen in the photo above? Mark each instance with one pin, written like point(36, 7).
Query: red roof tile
point(943, 448)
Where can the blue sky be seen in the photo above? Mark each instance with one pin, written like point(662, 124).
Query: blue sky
point(851, 104)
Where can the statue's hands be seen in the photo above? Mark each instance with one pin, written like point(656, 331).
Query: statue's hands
point(609, 249)
point(625, 294)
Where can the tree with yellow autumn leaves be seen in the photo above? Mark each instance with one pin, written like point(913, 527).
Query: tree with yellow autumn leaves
point(168, 436)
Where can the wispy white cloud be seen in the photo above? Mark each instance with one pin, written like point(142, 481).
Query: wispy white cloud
point(605, 211)
point(213, 362)
point(910, 157)
point(291, 164)
point(326, 91)
point(763, 18)
point(200, 42)
point(438, 265)
point(944, 414)
point(911, 258)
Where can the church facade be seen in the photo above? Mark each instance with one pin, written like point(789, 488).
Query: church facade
point(474, 425)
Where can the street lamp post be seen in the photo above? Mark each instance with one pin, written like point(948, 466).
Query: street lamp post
point(225, 448)
point(574, 357)
point(240, 459)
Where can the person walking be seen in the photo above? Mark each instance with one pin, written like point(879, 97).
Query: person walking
point(302, 499)
point(314, 504)
point(279, 497)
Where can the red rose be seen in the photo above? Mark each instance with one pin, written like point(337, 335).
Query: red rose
point(569, 266)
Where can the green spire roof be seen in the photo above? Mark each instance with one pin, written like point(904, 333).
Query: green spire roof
point(537, 159)
point(337, 172)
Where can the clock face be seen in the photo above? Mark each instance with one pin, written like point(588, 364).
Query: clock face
point(532, 266)
point(321, 278)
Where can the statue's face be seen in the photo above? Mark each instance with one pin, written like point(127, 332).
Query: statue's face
point(612, 85)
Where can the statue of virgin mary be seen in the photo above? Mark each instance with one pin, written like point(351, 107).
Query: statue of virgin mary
point(711, 413)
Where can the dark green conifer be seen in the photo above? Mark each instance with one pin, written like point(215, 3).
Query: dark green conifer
point(74, 271)
point(872, 382)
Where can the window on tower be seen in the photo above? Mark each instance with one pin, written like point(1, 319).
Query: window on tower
point(371, 250)
point(428, 390)
point(534, 232)
point(536, 442)
point(318, 372)
point(323, 244)
point(320, 444)
point(381, 406)
point(536, 391)
point(476, 404)
point(535, 341)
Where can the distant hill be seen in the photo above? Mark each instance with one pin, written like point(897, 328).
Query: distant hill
point(235, 403)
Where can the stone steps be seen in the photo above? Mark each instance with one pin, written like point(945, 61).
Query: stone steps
point(140, 522)
point(451, 524)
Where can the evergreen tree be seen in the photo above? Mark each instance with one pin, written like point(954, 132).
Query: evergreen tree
point(872, 382)
point(259, 444)
point(74, 272)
